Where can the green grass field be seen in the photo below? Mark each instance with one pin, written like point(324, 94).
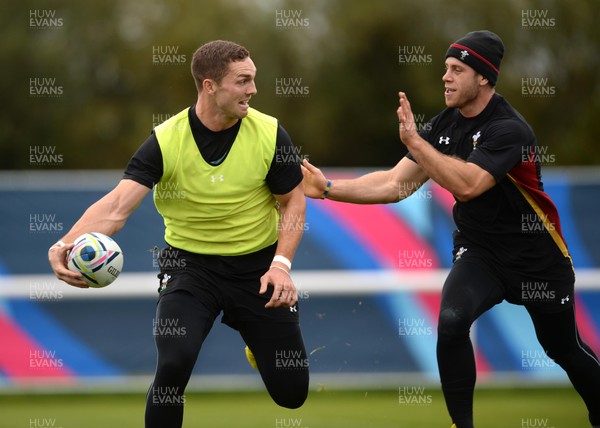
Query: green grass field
point(494, 408)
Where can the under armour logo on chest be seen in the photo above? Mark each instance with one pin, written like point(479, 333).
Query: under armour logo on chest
point(214, 179)
point(444, 140)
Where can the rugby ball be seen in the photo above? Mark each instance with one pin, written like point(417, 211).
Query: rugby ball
point(97, 257)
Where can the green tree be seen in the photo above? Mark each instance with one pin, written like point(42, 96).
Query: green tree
point(330, 70)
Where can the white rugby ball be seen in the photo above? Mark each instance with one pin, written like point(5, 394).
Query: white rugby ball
point(97, 257)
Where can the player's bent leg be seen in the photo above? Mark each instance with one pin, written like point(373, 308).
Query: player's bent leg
point(559, 336)
point(281, 358)
point(469, 290)
point(180, 327)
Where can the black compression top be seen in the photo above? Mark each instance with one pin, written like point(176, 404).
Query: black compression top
point(515, 221)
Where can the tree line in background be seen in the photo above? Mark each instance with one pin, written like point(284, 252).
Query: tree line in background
point(85, 82)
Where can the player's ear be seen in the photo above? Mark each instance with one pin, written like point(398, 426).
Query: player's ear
point(208, 85)
point(482, 80)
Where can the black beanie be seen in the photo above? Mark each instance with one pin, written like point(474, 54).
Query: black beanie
point(481, 50)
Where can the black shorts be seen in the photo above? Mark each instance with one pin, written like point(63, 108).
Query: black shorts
point(224, 283)
point(549, 289)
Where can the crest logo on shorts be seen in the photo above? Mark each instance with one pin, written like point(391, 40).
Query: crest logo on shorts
point(459, 253)
point(163, 282)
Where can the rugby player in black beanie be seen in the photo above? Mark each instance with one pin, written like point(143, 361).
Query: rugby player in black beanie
point(508, 232)
point(480, 50)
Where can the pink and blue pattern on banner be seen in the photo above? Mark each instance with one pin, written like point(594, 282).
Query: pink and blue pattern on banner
point(47, 338)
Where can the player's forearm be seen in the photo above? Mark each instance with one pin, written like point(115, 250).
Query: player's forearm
point(101, 217)
point(109, 214)
point(451, 173)
point(374, 188)
point(291, 227)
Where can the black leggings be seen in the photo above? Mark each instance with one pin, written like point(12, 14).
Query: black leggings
point(469, 291)
point(181, 325)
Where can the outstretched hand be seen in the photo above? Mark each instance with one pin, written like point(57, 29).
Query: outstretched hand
point(408, 128)
point(314, 180)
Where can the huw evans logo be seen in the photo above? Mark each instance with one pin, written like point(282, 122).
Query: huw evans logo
point(44, 87)
point(535, 422)
point(168, 327)
point(537, 154)
point(289, 422)
point(413, 55)
point(44, 223)
point(43, 423)
point(421, 123)
point(290, 19)
point(534, 223)
point(167, 55)
point(167, 396)
point(537, 291)
point(537, 19)
point(291, 87)
point(536, 360)
point(44, 156)
point(414, 396)
point(169, 190)
point(290, 359)
point(43, 359)
point(158, 118)
point(414, 259)
point(540, 87)
point(45, 291)
point(44, 19)
point(413, 327)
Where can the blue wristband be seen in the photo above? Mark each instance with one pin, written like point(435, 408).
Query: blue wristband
point(327, 189)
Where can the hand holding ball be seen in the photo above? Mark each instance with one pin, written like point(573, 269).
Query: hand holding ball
point(97, 257)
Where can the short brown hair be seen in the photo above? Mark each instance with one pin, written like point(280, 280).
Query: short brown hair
point(211, 60)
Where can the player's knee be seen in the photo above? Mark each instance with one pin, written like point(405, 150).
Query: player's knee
point(176, 369)
point(453, 323)
point(564, 356)
point(291, 399)
point(290, 393)
point(291, 402)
